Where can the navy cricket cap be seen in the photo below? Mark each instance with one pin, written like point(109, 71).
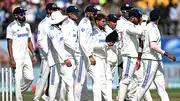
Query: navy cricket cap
point(18, 10)
point(126, 7)
point(112, 17)
point(72, 9)
point(91, 8)
point(155, 14)
point(52, 6)
point(112, 37)
point(135, 13)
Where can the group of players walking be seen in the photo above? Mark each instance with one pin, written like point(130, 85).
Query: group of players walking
point(96, 47)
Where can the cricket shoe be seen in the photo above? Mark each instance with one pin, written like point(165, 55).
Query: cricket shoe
point(46, 98)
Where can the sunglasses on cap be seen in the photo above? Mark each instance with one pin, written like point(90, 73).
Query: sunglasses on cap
point(22, 14)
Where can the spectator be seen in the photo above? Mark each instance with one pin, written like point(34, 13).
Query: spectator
point(173, 13)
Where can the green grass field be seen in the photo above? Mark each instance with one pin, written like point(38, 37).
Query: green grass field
point(174, 95)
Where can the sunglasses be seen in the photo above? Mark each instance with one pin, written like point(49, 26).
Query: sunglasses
point(22, 14)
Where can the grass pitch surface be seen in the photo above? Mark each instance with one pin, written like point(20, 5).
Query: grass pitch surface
point(174, 95)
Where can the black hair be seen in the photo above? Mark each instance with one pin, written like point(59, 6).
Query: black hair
point(100, 16)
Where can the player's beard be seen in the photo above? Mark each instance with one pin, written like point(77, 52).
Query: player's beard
point(102, 28)
point(22, 20)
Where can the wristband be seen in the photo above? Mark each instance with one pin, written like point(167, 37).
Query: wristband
point(34, 54)
point(166, 53)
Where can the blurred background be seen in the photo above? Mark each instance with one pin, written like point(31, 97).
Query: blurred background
point(169, 26)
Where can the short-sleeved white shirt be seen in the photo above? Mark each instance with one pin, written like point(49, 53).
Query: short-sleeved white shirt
point(152, 34)
point(19, 35)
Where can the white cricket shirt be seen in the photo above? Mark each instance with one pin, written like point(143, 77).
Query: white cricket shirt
point(56, 52)
point(42, 38)
point(152, 34)
point(70, 33)
point(98, 44)
point(19, 35)
point(130, 39)
point(85, 33)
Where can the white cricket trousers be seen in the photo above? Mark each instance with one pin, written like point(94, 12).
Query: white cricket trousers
point(154, 72)
point(109, 72)
point(99, 79)
point(67, 81)
point(45, 70)
point(135, 82)
point(127, 75)
point(80, 86)
point(23, 77)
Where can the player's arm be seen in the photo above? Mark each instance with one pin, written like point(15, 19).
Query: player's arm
point(30, 46)
point(12, 61)
point(58, 44)
point(9, 36)
point(140, 50)
point(155, 47)
point(40, 37)
point(83, 40)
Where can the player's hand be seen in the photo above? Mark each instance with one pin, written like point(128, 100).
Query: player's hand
point(34, 59)
point(68, 63)
point(92, 60)
point(13, 63)
point(138, 64)
point(110, 43)
point(172, 57)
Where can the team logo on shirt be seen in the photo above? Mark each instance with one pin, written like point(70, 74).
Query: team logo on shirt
point(22, 35)
point(82, 29)
point(27, 29)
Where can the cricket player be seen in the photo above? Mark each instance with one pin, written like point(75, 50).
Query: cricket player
point(152, 57)
point(70, 32)
point(57, 56)
point(129, 50)
point(124, 10)
point(99, 51)
point(120, 27)
point(85, 32)
point(42, 41)
point(111, 53)
point(19, 41)
point(72, 41)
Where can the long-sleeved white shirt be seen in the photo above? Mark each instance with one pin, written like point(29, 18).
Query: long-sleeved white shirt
point(56, 52)
point(120, 28)
point(42, 38)
point(130, 39)
point(98, 45)
point(70, 32)
point(152, 34)
point(85, 33)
